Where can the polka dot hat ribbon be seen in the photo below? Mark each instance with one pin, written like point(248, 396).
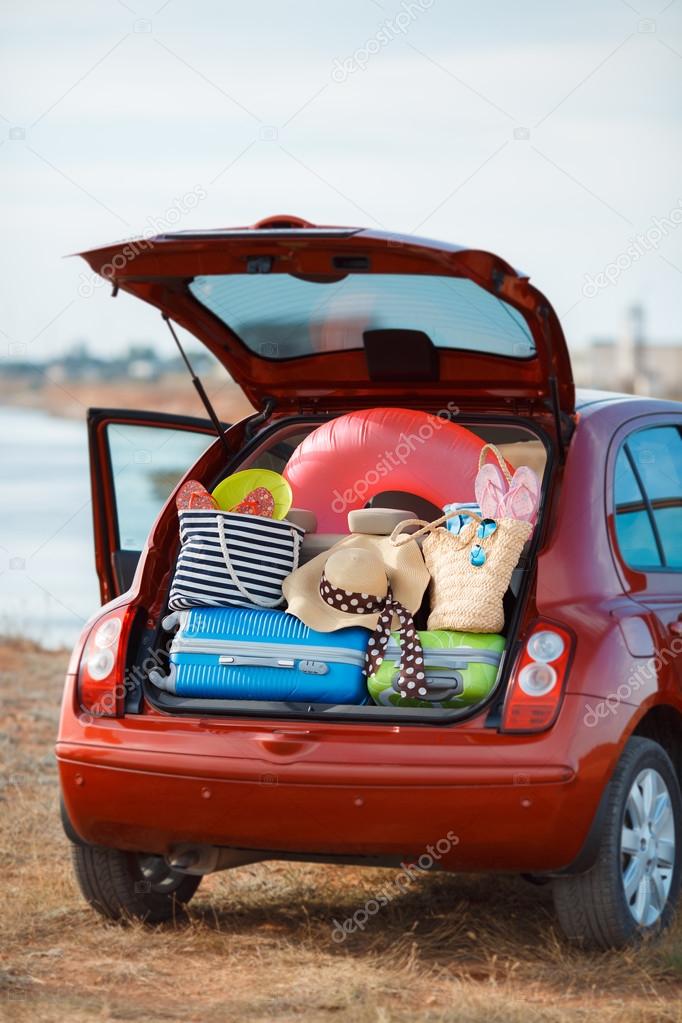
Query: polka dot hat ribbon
point(411, 679)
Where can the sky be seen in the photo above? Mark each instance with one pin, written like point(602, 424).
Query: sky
point(546, 132)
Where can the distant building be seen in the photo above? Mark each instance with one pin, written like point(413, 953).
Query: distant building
point(630, 363)
point(76, 364)
point(142, 362)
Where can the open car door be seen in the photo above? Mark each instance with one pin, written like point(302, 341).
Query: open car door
point(136, 459)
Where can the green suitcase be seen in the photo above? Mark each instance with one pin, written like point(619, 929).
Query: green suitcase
point(465, 664)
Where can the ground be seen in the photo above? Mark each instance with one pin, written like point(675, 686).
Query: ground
point(258, 944)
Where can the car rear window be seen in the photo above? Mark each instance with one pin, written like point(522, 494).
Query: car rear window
point(280, 316)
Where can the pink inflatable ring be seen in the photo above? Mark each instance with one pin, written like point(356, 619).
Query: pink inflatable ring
point(345, 462)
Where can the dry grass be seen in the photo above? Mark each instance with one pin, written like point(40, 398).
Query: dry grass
point(258, 944)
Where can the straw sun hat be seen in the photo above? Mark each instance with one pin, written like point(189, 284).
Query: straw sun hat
point(362, 566)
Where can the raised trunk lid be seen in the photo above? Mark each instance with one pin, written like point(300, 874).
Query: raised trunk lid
point(335, 317)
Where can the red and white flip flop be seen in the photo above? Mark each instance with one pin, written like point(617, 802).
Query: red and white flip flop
point(258, 501)
point(194, 494)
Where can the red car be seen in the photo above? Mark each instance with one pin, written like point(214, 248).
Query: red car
point(569, 771)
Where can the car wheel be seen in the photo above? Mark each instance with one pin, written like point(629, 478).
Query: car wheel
point(127, 885)
point(631, 890)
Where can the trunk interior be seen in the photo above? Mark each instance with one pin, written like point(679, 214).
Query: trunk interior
point(520, 441)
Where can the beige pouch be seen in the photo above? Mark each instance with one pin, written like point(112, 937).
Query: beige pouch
point(376, 521)
point(302, 517)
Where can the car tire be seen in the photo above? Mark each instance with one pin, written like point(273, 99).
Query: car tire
point(126, 885)
point(631, 891)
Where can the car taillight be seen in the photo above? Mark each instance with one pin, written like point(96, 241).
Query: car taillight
point(101, 688)
point(537, 681)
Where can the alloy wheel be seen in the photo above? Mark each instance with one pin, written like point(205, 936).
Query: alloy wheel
point(647, 847)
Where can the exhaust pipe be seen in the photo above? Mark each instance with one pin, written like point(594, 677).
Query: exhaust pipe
point(207, 859)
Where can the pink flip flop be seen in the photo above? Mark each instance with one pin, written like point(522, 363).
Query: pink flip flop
point(490, 488)
point(522, 499)
point(492, 482)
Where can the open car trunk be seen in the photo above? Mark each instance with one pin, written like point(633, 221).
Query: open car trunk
point(519, 445)
point(316, 322)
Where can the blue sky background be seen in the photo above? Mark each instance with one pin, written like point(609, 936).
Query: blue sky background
point(546, 132)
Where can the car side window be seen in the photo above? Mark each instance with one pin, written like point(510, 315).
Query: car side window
point(658, 459)
point(648, 499)
point(636, 537)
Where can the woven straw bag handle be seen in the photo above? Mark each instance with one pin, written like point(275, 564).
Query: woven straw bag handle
point(498, 455)
point(427, 527)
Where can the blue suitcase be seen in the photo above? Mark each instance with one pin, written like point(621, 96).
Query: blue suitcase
point(237, 653)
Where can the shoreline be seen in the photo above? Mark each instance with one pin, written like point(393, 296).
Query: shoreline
point(171, 393)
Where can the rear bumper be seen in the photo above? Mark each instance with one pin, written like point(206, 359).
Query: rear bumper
point(512, 803)
point(499, 823)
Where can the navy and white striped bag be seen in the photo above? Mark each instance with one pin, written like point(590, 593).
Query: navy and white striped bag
point(228, 559)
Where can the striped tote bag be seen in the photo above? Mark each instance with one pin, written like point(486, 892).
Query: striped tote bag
point(229, 559)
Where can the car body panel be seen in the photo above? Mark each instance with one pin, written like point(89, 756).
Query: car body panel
point(521, 802)
point(617, 615)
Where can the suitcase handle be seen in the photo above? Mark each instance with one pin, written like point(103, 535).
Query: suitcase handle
point(235, 661)
point(162, 681)
point(441, 688)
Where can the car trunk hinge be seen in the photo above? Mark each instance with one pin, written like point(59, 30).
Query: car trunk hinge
point(259, 418)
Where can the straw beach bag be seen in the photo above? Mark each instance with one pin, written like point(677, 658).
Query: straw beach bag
point(470, 570)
